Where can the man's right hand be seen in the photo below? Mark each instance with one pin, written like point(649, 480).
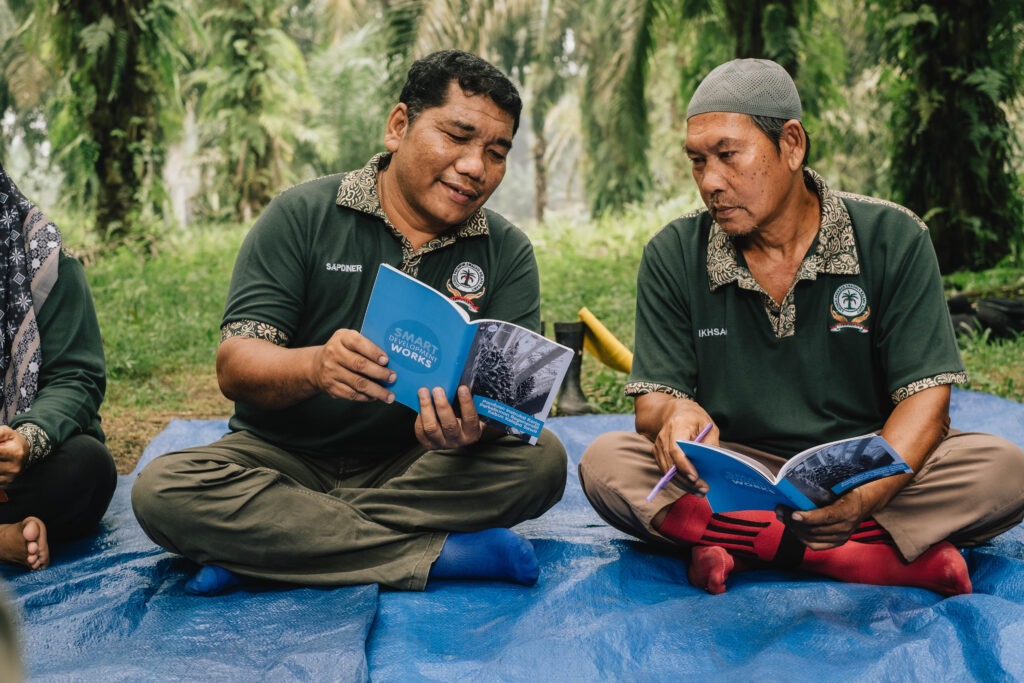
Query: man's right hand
point(273, 377)
point(352, 367)
point(665, 419)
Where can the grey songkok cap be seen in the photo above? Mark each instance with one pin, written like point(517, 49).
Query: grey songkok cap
point(758, 87)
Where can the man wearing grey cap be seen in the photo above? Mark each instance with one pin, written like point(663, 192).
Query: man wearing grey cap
point(785, 315)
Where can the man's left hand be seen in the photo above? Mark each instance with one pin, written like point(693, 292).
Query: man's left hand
point(438, 427)
point(832, 525)
point(825, 527)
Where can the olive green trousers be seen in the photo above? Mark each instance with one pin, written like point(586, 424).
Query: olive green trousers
point(261, 511)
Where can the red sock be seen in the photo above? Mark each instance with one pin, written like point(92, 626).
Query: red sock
point(710, 567)
point(722, 541)
point(750, 534)
point(870, 531)
point(687, 519)
point(758, 535)
point(941, 569)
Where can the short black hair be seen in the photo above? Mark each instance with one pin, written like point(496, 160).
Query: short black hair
point(772, 127)
point(427, 83)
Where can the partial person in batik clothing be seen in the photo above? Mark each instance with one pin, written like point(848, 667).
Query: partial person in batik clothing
point(56, 475)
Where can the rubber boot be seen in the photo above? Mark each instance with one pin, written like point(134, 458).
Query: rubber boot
point(571, 400)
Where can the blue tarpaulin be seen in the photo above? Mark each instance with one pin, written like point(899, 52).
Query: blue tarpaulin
point(606, 608)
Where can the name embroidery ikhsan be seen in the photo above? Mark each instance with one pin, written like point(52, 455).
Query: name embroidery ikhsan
point(467, 284)
point(849, 309)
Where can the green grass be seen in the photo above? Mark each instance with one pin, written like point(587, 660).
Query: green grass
point(594, 264)
point(160, 311)
point(1005, 280)
point(995, 366)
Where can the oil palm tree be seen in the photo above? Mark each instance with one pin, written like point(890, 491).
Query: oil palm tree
point(955, 70)
point(113, 67)
point(253, 102)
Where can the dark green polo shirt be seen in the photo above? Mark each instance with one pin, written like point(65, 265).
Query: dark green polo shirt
point(865, 325)
point(306, 269)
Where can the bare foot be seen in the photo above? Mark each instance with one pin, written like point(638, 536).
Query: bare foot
point(24, 542)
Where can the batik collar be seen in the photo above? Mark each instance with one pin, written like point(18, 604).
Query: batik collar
point(835, 252)
point(358, 191)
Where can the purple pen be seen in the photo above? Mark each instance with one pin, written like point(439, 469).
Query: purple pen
point(672, 470)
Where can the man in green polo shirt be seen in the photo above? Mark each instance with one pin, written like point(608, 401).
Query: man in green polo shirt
point(785, 315)
point(323, 479)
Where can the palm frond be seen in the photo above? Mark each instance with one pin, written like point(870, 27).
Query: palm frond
point(96, 37)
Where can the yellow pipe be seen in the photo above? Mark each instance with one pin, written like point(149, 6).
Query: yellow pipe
point(602, 344)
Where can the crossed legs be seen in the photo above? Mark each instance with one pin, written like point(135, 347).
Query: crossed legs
point(63, 497)
point(617, 470)
point(257, 510)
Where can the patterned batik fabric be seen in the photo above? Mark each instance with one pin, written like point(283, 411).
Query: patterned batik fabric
point(29, 251)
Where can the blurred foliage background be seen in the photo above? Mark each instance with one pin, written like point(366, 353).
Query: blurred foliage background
point(154, 131)
point(148, 115)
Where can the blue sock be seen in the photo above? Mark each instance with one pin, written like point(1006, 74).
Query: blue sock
point(211, 580)
point(498, 554)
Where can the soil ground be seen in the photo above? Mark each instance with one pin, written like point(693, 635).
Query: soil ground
point(129, 430)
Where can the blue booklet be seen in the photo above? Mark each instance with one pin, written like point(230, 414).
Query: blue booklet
point(513, 373)
point(810, 479)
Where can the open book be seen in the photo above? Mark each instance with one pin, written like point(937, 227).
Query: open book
point(810, 479)
point(513, 373)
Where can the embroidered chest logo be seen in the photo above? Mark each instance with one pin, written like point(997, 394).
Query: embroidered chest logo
point(849, 309)
point(467, 284)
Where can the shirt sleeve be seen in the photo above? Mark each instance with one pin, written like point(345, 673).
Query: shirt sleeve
point(917, 343)
point(268, 280)
point(72, 379)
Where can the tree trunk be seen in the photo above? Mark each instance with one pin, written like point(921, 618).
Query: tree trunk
point(540, 172)
point(953, 165)
point(765, 30)
point(123, 121)
point(745, 19)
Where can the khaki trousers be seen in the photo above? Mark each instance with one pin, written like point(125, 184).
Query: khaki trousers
point(970, 490)
point(261, 511)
